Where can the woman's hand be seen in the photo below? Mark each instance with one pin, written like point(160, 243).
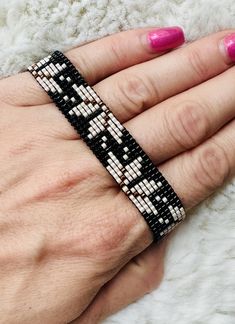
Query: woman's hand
point(66, 229)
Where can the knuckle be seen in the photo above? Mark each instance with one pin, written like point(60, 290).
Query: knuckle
point(198, 64)
point(212, 167)
point(109, 236)
point(23, 147)
point(60, 178)
point(113, 229)
point(118, 53)
point(188, 124)
point(134, 93)
point(107, 240)
point(25, 144)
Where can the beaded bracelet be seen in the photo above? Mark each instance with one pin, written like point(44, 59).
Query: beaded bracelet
point(112, 144)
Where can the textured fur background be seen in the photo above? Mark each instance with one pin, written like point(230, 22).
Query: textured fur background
point(199, 283)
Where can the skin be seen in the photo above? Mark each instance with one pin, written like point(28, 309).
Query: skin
point(70, 240)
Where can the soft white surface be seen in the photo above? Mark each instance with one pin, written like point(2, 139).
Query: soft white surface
point(199, 284)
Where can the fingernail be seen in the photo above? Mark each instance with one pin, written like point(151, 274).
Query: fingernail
point(163, 39)
point(229, 44)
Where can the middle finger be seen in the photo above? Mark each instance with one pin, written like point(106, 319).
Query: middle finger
point(186, 120)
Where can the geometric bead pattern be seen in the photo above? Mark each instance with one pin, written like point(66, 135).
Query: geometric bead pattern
point(112, 144)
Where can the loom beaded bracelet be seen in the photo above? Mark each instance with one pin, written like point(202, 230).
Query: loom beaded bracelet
point(110, 141)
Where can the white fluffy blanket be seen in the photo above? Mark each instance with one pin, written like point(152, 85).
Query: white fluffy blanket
point(199, 283)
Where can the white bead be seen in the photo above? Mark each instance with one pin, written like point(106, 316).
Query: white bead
point(152, 182)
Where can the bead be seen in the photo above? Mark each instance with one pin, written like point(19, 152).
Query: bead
point(117, 150)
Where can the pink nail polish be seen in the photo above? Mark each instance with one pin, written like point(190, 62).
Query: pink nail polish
point(163, 39)
point(229, 43)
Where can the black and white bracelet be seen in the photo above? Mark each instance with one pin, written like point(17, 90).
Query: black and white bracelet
point(110, 141)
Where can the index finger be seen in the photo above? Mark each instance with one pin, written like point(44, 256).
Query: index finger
point(98, 60)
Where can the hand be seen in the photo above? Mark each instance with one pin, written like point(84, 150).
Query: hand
point(66, 228)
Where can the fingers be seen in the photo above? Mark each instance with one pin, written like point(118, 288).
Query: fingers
point(196, 174)
point(182, 122)
point(97, 60)
point(145, 85)
point(141, 276)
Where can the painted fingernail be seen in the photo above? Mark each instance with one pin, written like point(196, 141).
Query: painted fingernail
point(163, 39)
point(229, 44)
